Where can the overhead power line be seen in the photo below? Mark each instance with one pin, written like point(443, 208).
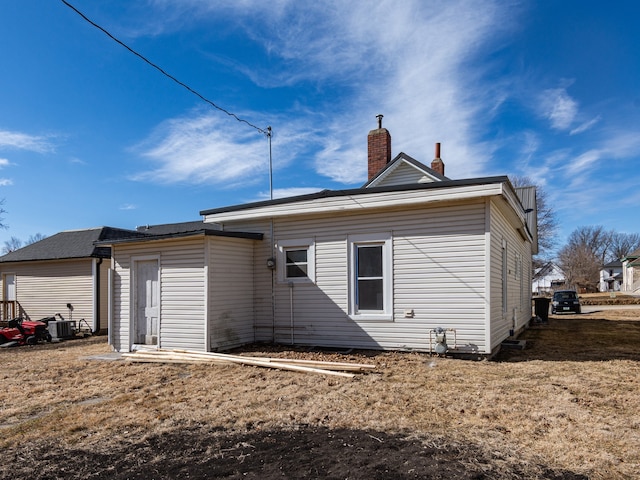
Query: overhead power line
point(266, 131)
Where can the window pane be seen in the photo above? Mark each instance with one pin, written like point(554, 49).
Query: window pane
point(297, 270)
point(296, 256)
point(296, 263)
point(370, 261)
point(370, 295)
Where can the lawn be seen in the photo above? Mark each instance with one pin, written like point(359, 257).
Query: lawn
point(565, 407)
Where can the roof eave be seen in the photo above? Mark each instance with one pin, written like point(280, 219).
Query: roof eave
point(172, 236)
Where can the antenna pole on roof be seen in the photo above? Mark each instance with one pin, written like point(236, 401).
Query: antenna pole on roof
point(270, 165)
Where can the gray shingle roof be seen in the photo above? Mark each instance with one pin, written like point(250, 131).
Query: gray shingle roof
point(173, 228)
point(70, 244)
point(167, 231)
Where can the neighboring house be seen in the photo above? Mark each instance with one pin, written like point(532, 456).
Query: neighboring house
point(547, 279)
point(41, 279)
point(377, 267)
point(611, 277)
point(631, 273)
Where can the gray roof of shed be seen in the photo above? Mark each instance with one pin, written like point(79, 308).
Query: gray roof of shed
point(167, 231)
point(70, 244)
point(174, 228)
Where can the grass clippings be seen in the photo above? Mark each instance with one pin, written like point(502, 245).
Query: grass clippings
point(564, 407)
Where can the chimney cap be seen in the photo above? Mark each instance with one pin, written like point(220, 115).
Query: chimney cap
point(379, 117)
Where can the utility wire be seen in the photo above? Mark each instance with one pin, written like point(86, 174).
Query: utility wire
point(266, 132)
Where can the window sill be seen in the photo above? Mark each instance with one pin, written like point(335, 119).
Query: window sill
point(372, 317)
point(297, 281)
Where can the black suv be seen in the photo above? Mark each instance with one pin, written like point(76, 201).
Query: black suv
point(565, 301)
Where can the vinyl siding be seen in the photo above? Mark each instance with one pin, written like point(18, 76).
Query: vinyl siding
point(262, 277)
point(44, 288)
point(404, 174)
point(182, 292)
point(230, 290)
point(439, 268)
point(517, 311)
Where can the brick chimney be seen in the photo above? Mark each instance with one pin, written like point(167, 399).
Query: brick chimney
point(437, 164)
point(379, 148)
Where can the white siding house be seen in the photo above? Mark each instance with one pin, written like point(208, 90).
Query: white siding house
point(631, 273)
point(547, 279)
point(376, 267)
point(453, 254)
point(611, 277)
point(43, 278)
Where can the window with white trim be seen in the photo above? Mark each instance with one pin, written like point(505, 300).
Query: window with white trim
point(370, 272)
point(296, 260)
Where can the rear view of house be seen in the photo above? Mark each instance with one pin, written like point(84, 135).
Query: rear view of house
point(384, 266)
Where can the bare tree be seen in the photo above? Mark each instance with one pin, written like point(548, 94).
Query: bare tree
point(580, 265)
point(547, 221)
point(35, 238)
point(11, 245)
point(581, 259)
point(622, 244)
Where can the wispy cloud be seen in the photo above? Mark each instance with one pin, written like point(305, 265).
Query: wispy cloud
point(24, 141)
point(558, 107)
point(5, 182)
point(4, 162)
point(621, 143)
point(128, 206)
point(418, 71)
point(203, 148)
point(585, 126)
point(582, 163)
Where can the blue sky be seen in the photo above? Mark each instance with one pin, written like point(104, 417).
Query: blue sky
point(91, 135)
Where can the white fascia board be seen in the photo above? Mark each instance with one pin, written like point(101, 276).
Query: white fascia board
point(514, 202)
point(357, 202)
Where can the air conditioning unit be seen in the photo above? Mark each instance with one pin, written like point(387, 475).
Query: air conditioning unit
point(62, 329)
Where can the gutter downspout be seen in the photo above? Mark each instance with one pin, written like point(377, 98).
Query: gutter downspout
point(96, 318)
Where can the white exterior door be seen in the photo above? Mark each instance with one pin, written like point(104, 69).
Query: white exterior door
point(146, 303)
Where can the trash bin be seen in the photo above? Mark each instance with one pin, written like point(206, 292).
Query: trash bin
point(541, 308)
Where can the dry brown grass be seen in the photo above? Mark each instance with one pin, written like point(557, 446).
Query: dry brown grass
point(570, 400)
point(609, 298)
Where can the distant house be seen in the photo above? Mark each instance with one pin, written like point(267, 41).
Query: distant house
point(631, 273)
point(65, 273)
point(547, 279)
point(611, 277)
point(376, 267)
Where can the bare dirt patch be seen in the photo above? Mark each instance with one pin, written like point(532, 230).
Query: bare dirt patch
point(565, 407)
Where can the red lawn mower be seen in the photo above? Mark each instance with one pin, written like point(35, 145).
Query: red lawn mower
point(23, 332)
